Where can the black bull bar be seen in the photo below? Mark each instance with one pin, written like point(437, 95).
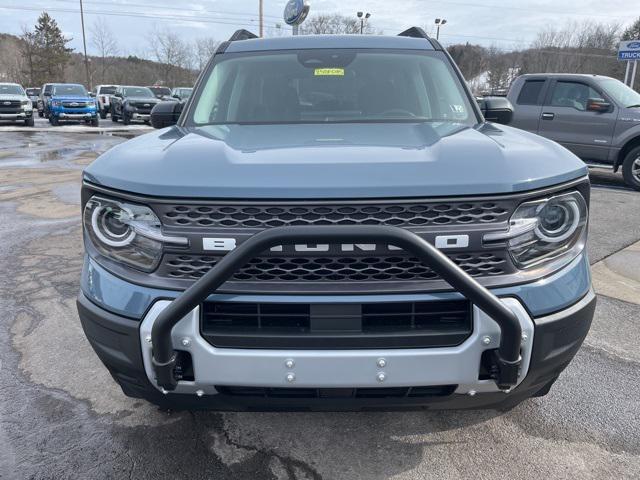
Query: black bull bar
point(505, 359)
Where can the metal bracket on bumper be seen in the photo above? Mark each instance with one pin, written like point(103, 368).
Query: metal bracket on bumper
point(506, 358)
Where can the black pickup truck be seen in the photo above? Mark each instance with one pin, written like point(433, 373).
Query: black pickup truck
point(130, 103)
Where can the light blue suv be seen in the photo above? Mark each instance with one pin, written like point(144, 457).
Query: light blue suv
point(329, 222)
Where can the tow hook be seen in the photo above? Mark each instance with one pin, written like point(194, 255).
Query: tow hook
point(504, 372)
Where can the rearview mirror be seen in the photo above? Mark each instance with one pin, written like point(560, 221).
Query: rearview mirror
point(598, 105)
point(496, 109)
point(165, 114)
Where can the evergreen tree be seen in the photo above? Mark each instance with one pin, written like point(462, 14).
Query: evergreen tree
point(633, 32)
point(45, 51)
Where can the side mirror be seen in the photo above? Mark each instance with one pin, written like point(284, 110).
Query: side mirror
point(92, 95)
point(496, 109)
point(598, 105)
point(165, 114)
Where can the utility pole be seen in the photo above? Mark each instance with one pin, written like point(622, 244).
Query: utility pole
point(84, 43)
point(261, 19)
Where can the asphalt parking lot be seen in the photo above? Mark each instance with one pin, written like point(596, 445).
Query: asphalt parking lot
point(61, 415)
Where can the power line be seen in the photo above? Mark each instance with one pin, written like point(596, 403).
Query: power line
point(152, 16)
point(166, 7)
point(529, 9)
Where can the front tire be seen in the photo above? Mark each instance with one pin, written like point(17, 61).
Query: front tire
point(53, 120)
point(126, 120)
point(114, 117)
point(29, 122)
point(40, 114)
point(95, 122)
point(631, 169)
point(103, 114)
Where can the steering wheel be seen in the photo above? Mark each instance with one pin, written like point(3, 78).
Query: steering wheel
point(396, 111)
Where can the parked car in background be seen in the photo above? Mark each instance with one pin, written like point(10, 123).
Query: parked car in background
point(181, 94)
point(15, 105)
point(160, 92)
point(103, 94)
point(71, 102)
point(45, 94)
point(596, 117)
point(131, 103)
point(33, 93)
point(365, 240)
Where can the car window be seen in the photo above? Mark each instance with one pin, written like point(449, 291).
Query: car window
point(107, 90)
point(530, 93)
point(74, 90)
point(572, 94)
point(324, 86)
point(137, 92)
point(11, 90)
point(624, 95)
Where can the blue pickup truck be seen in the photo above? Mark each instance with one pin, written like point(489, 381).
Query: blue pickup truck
point(70, 102)
point(330, 222)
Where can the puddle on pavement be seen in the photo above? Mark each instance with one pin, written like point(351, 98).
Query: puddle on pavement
point(31, 149)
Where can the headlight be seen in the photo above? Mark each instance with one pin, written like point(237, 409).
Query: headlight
point(25, 102)
point(544, 230)
point(126, 232)
point(55, 103)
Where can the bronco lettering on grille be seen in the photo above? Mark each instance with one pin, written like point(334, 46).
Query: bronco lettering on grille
point(442, 241)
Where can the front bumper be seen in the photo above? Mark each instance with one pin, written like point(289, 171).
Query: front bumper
point(495, 358)
point(74, 116)
point(554, 341)
point(24, 115)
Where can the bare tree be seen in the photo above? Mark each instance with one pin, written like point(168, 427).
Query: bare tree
point(107, 47)
point(204, 49)
point(334, 24)
point(174, 56)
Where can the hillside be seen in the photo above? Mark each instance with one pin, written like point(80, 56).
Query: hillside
point(117, 70)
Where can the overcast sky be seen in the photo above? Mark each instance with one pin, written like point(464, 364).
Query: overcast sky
point(506, 23)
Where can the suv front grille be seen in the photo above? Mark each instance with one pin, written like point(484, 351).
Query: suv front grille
point(262, 216)
point(326, 326)
point(349, 269)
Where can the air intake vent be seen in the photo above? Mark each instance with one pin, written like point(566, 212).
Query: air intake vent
point(326, 326)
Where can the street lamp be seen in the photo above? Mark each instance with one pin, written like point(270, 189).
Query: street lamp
point(363, 16)
point(439, 23)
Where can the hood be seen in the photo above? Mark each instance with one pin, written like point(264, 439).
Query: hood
point(142, 99)
point(13, 97)
point(334, 161)
point(72, 98)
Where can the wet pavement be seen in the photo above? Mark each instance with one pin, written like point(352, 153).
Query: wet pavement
point(61, 415)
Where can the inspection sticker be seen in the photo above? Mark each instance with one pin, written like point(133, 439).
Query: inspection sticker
point(336, 72)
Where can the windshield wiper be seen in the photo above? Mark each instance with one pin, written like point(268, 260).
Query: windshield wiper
point(633, 106)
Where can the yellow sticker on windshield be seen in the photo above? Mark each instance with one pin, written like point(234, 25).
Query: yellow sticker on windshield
point(336, 72)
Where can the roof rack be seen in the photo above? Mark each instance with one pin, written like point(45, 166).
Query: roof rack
point(242, 34)
point(414, 32)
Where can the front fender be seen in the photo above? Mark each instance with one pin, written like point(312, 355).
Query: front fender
point(627, 135)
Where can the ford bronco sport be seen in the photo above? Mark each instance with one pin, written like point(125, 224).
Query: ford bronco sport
point(332, 224)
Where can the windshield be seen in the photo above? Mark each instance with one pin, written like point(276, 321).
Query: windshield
point(622, 94)
point(107, 90)
point(184, 92)
point(332, 86)
point(137, 92)
point(72, 90)
point(160, 91)
point(11, 90)
point(33, 92)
